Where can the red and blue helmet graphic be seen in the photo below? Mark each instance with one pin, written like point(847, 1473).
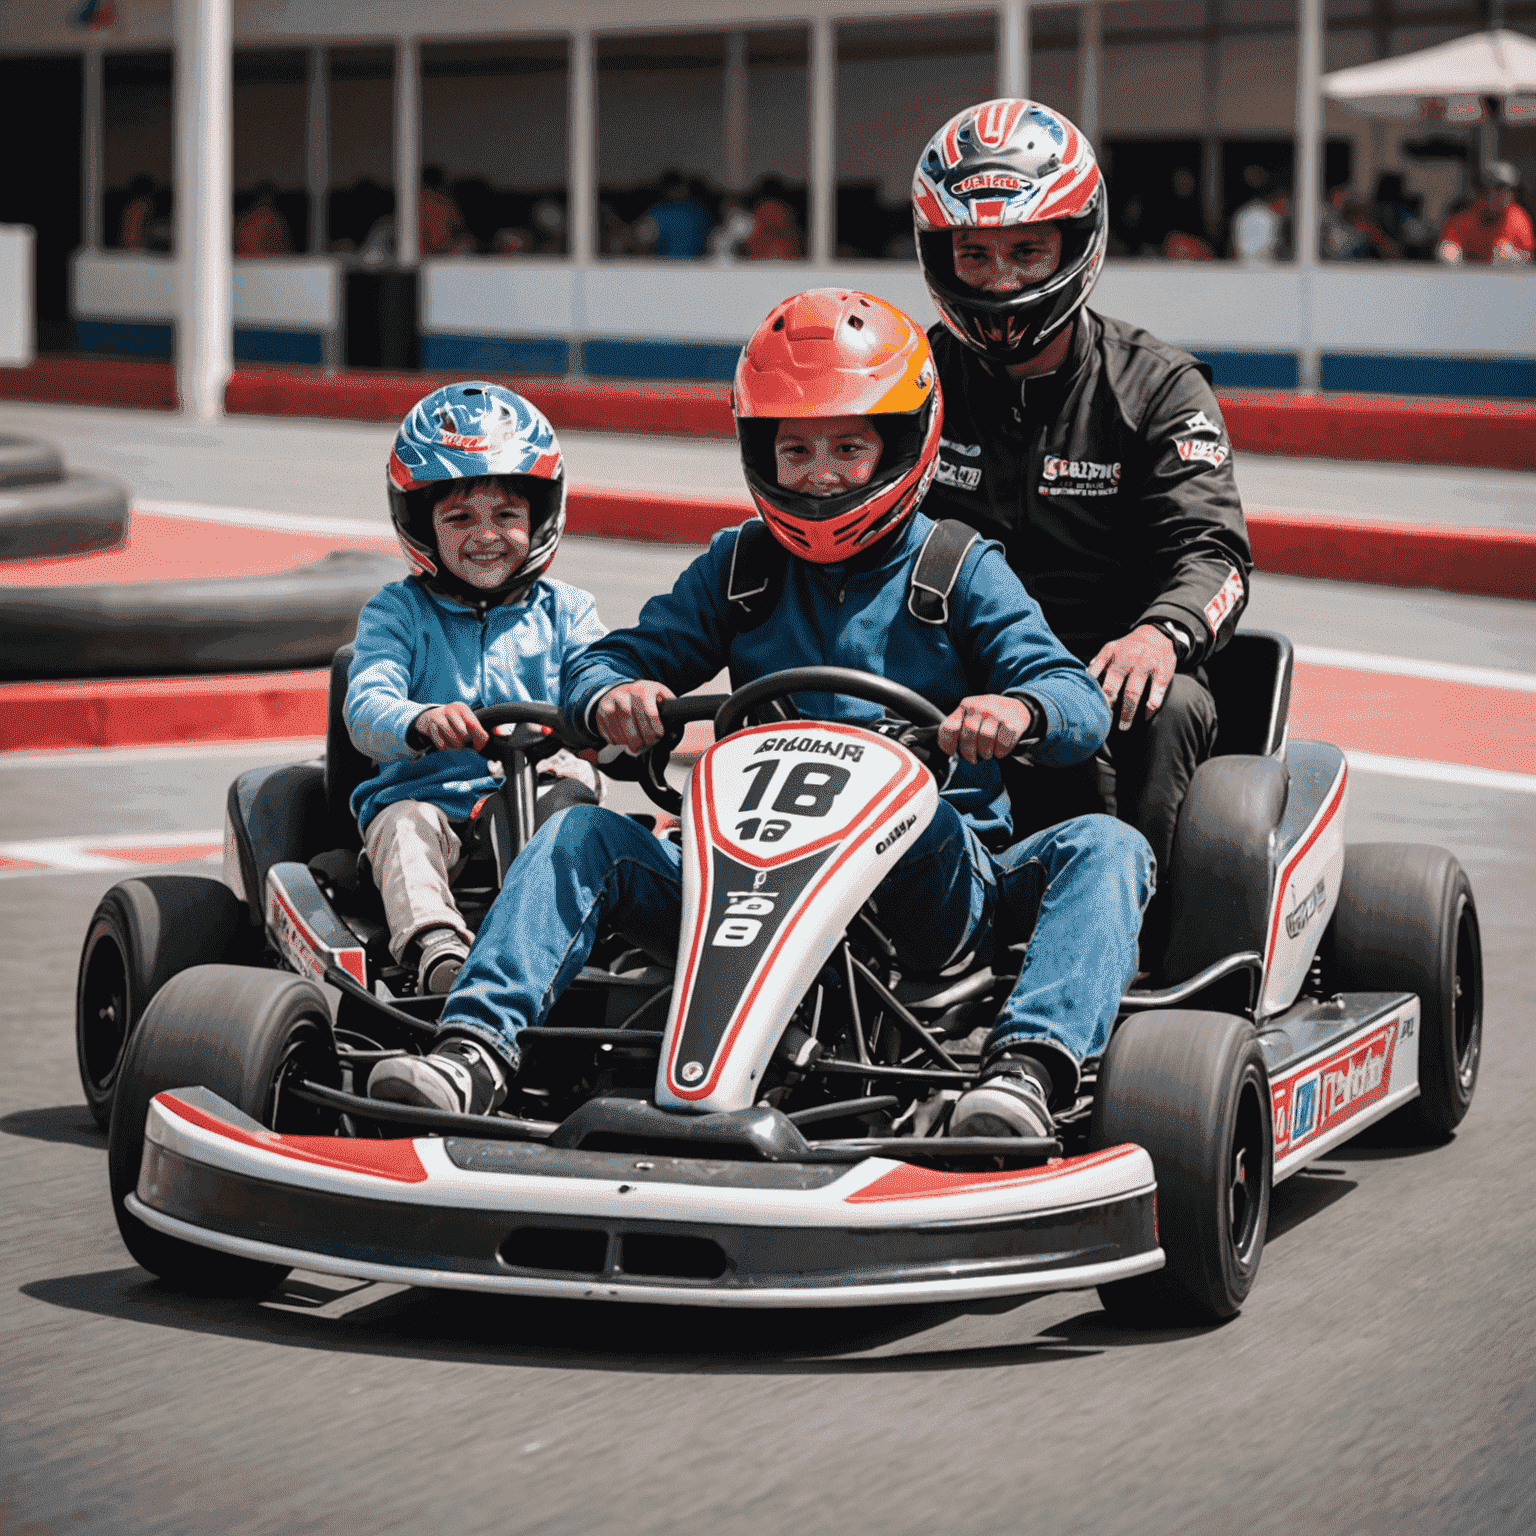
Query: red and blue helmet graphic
point(997, 165)
point(472, 431)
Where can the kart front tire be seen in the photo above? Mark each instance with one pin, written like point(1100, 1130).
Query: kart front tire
point(1406, 922)
point(143, 932)
point(1191, 1088)
point(243, 1033)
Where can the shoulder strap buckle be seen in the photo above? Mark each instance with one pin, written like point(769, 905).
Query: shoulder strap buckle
point(937, 569)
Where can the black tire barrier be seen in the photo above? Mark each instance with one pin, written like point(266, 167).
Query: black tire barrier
point(78, 514)
point(28, 461)
point(290, 619)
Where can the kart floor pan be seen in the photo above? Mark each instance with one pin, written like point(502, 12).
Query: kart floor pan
point(532, 1220)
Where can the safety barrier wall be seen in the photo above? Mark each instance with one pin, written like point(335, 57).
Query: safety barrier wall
point(16, 242)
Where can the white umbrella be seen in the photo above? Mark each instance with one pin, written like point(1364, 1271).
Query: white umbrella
point(1446, 83)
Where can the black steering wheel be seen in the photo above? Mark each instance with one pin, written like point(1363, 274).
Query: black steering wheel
point(901, 700)
point(535, 744)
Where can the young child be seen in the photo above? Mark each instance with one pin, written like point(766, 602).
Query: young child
point(838, 417)
point(477, 495)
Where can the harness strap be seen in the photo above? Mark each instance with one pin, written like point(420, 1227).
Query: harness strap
point(758, 563)
point(937, 569)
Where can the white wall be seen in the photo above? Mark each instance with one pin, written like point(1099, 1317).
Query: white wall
point(282, 293)
point(15, 295)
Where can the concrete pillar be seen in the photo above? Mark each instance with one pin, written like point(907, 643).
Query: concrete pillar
point(1013, 48)
point(582, 134)
point(1090, 54)
point(823, 187)
point(734, 110)
point(317, 146)
point(407, 151)
point(204, 216)
point(1309, 167)
point(92, 138)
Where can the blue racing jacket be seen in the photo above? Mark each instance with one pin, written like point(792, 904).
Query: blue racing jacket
point(855, 615)
point(416, 649)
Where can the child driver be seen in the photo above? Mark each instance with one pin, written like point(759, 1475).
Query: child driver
point(477, 494)
point(838, 417)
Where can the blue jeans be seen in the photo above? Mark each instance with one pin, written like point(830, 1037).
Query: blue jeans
point(1085, 883)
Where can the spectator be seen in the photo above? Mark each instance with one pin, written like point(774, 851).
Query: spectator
point(1397, 214)
point(439, 223)
point(1185, 237)
point(1258, 227)
point(261, 230)
point(736, 223)
point(775, 235)
point(549, 227)
point(133, 231)
point(1495, 228)
point(677, 226)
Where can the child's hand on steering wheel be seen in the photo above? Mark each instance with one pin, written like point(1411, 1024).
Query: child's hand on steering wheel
point(450, 727)
point(986, 726)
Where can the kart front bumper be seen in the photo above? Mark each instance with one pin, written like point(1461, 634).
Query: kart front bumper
point(531, 1220)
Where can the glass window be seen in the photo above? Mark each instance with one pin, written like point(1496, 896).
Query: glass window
point(495, 146)
point(898, 82)
point(270, 115)
point(138, 126)
point(362, 196)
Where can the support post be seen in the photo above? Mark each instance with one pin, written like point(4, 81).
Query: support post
point(204, 216)
point(582, 194)
point(1013, 48)
point(407, 151)
point(1090, 52)
point(734, 111)
point(317, 146)
point(823, 187)
point(92, 139)
point(1308, 191)
point(1211, 186)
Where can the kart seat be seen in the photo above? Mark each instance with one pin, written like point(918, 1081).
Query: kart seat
point(1250, 680)
point(345, 766)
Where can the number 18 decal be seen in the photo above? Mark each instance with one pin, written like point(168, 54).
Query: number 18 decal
point(808, 790)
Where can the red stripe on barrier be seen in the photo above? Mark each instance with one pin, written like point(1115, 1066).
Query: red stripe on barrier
point(162, 711)
point(92, 381)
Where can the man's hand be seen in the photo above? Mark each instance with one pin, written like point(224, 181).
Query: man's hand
point(1140, 663)
point(985, 726)
point(450, 727)
point(627, 716)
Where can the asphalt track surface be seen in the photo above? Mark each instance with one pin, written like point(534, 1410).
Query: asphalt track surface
point(1377, 1380)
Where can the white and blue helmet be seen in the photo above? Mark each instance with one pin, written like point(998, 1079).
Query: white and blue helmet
point(467, 432)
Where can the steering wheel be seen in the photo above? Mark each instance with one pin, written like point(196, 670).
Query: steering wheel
point(903, 701)
point(533, 743)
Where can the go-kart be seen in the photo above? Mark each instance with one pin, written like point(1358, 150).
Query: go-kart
point(758, 1120)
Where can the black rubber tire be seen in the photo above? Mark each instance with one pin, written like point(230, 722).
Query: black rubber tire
point(73, 516)
point(237, 1031)
point(295, 618)
point(28, 461)
point(143, 932)
point(1406, 922)
point(1191, 1088)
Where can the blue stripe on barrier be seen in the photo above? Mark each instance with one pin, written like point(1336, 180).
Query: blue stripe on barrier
point(495, 354)
point(1251, 370)
point(124, 338)
point(262, 346)
point(695, 361)
point(1483, 378)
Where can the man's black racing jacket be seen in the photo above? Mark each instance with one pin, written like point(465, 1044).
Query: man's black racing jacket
point(1109, 484)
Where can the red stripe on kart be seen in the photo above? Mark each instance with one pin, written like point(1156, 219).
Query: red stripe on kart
point(396, 1159)
point(914, 1182)
point(1323, 819)
point(760, 975)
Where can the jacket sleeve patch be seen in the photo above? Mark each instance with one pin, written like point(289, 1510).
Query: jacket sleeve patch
point(1193, 448)
point(1222, 604)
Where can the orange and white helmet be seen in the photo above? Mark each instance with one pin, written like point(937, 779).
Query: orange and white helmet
point(835, 352)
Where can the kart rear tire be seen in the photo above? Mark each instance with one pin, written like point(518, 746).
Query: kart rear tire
point(28, 461)
point(1406, 922)
point(1191, 1088)
point(143, 932)
point(240, 1032)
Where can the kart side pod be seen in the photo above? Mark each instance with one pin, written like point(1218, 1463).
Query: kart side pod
point(786, 831)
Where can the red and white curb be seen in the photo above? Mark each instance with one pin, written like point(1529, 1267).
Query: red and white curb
point(112, 853)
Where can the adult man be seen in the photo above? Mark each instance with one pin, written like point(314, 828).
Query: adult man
point(839, 420)
point(1494, 227)
point(1093, 451)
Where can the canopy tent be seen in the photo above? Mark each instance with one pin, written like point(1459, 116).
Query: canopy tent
point(1447, 83)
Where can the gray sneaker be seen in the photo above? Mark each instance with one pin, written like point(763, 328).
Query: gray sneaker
point(1008, 1101)
point(443, 954)
point(460, 1076)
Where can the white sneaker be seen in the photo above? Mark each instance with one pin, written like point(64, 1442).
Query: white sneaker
point(1007, 1102)
point(443, 954)
point(460, 1076)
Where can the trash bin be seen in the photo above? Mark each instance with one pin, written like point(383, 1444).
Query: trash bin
point(382, 318)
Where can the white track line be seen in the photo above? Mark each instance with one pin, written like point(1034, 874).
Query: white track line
point(1442, 773)
point(287, 522)
point(280, 750)
point(95, 855)
point(1408, 666)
